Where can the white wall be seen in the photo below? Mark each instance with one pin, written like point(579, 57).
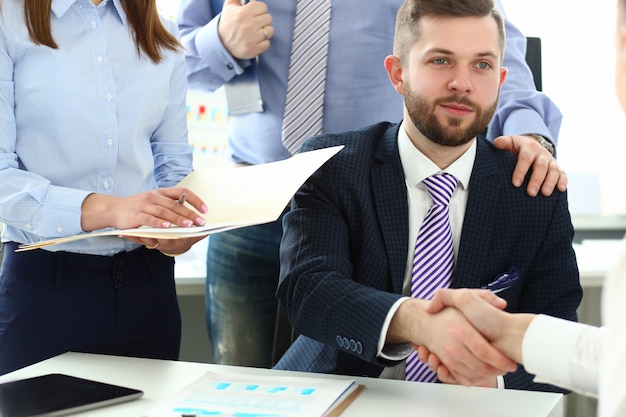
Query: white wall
point(578, 74)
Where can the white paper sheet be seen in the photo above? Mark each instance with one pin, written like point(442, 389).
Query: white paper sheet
point(236, 197)
point(256, 396)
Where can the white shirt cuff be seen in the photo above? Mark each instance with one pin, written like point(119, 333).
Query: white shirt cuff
point(397, 351)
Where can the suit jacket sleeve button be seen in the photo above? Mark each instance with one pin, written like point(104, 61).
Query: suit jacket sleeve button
point(339, 341)
point(352, 345)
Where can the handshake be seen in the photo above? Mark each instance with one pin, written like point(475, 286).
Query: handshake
point(465, 336)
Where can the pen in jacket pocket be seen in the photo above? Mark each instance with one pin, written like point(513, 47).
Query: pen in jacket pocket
point(503, 281)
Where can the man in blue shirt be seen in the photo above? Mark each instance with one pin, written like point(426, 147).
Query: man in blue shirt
point(223, 38)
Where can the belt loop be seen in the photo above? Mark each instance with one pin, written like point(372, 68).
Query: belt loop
point(145, 256)
point(59, 259)
point(157, 263)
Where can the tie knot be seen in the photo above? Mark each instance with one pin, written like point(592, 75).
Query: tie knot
point(441, 187)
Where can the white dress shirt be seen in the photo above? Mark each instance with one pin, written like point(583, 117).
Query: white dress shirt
point(417, 167)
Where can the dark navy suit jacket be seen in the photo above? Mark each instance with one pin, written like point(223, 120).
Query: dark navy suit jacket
point(345, 245)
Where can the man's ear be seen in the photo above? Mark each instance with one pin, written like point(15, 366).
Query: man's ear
point(394, 70)
point(504, 71)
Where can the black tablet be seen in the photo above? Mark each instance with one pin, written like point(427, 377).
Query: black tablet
point(59, 395)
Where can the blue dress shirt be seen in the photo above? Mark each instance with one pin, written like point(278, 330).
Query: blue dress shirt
point(93, 115)
point(358, 92)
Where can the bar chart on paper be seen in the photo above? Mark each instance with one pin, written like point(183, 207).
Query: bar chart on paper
point(239, 395)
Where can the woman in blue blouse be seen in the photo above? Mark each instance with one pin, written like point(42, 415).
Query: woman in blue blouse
point(92, 135)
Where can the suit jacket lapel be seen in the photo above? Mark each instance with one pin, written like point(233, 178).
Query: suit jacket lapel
point(484, 191)
point(390, 201)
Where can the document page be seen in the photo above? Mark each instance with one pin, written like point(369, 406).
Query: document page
point(259, 396)
point(235, 197)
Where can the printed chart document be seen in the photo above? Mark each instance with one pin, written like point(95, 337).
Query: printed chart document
point(259, 396)
point(236, 197)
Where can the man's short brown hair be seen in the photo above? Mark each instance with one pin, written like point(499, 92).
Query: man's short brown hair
point(411, 11)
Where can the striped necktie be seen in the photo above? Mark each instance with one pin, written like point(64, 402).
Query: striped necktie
point(304, 105)
point(433, 259)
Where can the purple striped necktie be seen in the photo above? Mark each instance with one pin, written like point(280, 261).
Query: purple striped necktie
point(306, 82)
point(433, 259)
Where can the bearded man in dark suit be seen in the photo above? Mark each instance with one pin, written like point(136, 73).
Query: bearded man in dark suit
point(348, 243)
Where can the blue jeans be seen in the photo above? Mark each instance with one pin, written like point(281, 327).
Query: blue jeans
point(241, 305)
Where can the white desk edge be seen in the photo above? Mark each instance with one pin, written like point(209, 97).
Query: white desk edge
point(160, 379)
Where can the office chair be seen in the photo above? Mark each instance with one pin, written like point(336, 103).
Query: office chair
point(533, 59)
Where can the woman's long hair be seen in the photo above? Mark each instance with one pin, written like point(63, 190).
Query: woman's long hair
point(150, 35)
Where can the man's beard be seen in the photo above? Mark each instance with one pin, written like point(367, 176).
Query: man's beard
point(422, 114)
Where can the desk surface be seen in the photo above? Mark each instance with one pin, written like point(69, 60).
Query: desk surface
point(160, 379)
point(596, 258)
